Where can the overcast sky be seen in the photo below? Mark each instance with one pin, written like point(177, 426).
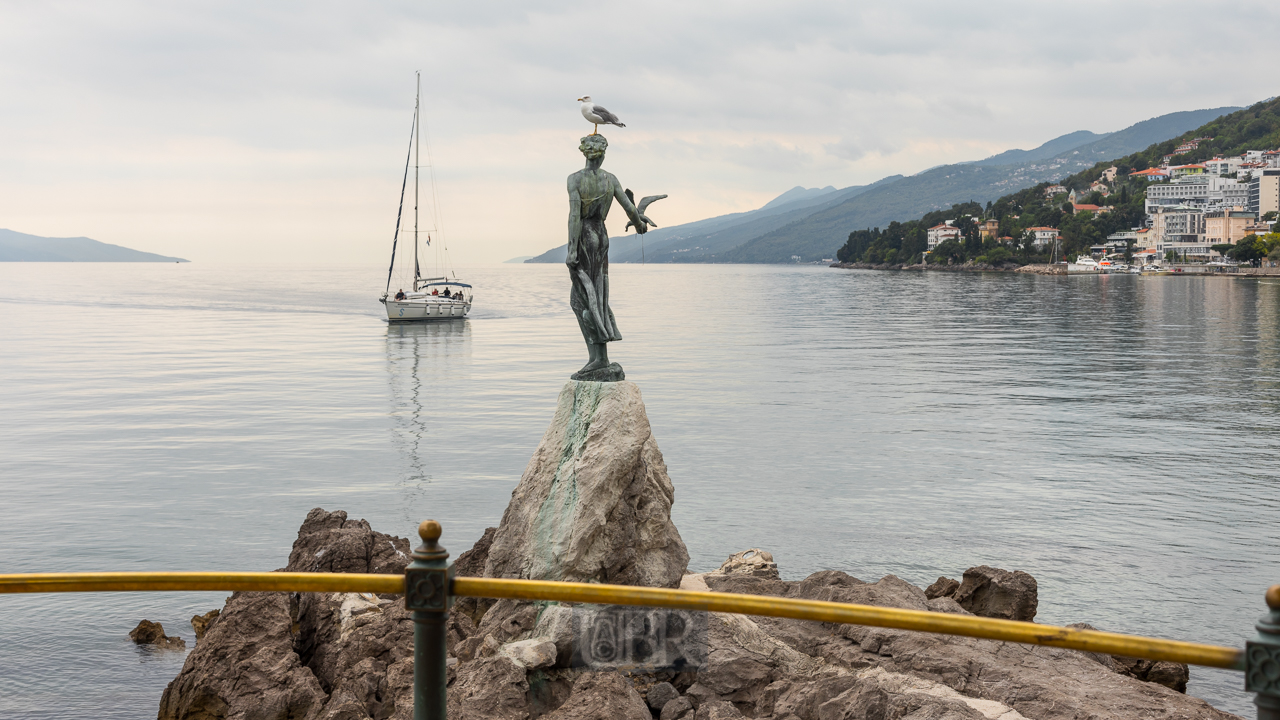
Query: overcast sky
point(239, 131)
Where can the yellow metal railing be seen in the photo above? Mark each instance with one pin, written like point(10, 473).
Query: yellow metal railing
point(932, 622)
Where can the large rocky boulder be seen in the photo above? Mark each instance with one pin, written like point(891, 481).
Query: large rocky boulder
point(594, 503)
point(995, 593)
point(306, 655)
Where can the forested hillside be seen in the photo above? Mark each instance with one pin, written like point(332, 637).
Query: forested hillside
point(1254, 128)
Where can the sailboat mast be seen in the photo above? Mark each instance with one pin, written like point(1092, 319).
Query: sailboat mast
point(404, 182)
point(417, 129)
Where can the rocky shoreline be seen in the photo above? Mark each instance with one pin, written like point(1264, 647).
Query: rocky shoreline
point(970, 266)
point(594, 505)
point(347, 655)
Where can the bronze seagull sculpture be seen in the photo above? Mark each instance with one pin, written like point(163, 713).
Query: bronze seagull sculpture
point(597, 115)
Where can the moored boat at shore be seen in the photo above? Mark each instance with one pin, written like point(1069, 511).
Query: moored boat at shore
point(1083, 265)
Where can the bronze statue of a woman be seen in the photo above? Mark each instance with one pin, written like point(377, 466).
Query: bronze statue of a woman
point(591, 194)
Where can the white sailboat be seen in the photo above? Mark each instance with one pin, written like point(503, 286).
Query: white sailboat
point(431, 298)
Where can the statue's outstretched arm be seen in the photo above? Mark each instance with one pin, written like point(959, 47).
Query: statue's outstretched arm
point(620, 195)
point(575, 224)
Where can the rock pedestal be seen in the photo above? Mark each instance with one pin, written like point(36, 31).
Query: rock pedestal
point(594, 503)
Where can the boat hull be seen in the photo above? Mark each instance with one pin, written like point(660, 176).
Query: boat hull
point(414, 310)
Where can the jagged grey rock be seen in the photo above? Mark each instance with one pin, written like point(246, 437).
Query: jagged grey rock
point(661, 694)
point(995, 593)
point(675, 709)
point(942, 587)
point(755, 561)
point(594, 503)
point(602, 696)
point(533, 653)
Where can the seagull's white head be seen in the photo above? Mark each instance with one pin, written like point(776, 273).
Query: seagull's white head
point(585, 98)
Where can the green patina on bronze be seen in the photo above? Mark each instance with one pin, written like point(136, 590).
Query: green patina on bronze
point(592, 191)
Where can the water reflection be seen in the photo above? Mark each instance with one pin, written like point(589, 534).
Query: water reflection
point(422, 358)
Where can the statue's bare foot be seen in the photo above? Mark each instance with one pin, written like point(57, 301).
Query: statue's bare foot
point(594, 365)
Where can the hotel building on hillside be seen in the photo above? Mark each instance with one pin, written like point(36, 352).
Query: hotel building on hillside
point(1264, 192)
point(1180, 228)
point(1227, 226)
point(1202, 190)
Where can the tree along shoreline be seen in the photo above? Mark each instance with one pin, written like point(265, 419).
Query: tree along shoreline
point(971, 266)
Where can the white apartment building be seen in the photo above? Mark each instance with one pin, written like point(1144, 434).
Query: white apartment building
point(1264, 192)
point(1222, 166)
point(1045, 236)
point(1203, 191)
point(939, 234)
point(1180, 228)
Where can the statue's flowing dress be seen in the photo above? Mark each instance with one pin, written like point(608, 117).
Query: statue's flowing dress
point(590, 295)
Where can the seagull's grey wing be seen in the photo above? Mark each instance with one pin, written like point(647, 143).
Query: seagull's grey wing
point(646, 201)
point(605, 115)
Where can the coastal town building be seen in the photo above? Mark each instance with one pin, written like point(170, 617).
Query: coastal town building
point(1264, 192)
point(1190, 145)
point(1178, 171)
point(939, 234)
point(1200, 190)
point(1044, 236)
point(1221, 166)
point(1258, 227)
point(1109, 174)
point(1152, 174)
point(1052, 190)
point(1077, 208)
point(1227, 226)
point(988, 228)
point(1180, 228)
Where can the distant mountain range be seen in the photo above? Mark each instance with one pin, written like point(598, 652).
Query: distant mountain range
point(20, 247)
point(806, 225)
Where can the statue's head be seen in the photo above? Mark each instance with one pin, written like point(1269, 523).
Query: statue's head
point(593, 146)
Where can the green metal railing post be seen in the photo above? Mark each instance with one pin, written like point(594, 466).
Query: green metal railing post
point(426, 594)
point(1262, 660)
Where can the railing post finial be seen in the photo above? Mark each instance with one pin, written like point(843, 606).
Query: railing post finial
point(1262, 660)
point(427, 594)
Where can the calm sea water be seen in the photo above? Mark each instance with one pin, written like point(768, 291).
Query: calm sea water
point(1113, 436)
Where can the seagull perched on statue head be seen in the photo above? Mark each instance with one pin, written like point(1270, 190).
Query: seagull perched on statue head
point(597, 115)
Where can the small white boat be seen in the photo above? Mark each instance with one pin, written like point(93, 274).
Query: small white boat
point(1083, 264)
point(435, 298)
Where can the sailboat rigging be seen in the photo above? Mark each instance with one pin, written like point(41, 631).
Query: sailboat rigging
point(425, 299)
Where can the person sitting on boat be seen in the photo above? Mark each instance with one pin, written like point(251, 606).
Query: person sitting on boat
point(435, 291)
point(400, 295)
point(458, 296)
point(446, 292)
